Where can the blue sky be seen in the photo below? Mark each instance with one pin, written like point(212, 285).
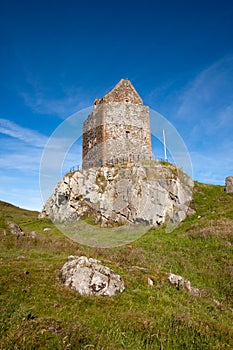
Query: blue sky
point(58, 56)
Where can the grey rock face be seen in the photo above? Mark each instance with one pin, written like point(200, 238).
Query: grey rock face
point(229, 184)
point(137, 193)
point(90, 277)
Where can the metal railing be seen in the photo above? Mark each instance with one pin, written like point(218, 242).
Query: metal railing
point(118, 160)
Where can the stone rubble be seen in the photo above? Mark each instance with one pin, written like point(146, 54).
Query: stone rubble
point(90, 277)
point(33, 234)
point(181, 283)
point(15, 229)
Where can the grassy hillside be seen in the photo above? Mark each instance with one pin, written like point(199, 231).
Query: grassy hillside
point(38, 312)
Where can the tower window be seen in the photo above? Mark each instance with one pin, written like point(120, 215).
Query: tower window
point(126, 100)
point(127, 134)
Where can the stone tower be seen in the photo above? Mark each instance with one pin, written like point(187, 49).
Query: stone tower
point(118, 129)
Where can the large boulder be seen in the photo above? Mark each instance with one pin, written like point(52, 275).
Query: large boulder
point(229, 184)
point(151, 194)
point(90, 277)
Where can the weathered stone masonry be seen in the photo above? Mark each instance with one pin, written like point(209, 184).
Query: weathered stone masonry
point(117, 129)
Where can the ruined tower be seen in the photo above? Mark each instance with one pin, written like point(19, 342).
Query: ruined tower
point(118, 129)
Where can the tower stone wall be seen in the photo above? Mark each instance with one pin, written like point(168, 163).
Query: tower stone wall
point(118, 129)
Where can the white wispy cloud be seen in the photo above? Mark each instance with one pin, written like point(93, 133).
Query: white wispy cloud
point(212, 167)
point(20, 158)
point(20, 190)
point(29, 136)
point(19, 175)
point(207, 101)
point(225, 115)
point(202, 112)
point(205, 113)
point(41, 99)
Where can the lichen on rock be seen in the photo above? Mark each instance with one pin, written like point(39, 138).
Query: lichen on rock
point(90, 277)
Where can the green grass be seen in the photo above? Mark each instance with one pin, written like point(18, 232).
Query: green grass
point(38, 312)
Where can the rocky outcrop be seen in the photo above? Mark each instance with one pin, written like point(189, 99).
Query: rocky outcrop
point(229, 184)
point(135, 193)
point(181, 283)
point(90, 277)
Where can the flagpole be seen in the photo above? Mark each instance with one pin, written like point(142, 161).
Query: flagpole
point(164, 146)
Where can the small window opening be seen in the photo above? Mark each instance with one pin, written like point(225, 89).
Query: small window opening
point(127, 134)
point(127, 100)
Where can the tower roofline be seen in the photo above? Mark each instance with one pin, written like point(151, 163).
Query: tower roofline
point(123, 91)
